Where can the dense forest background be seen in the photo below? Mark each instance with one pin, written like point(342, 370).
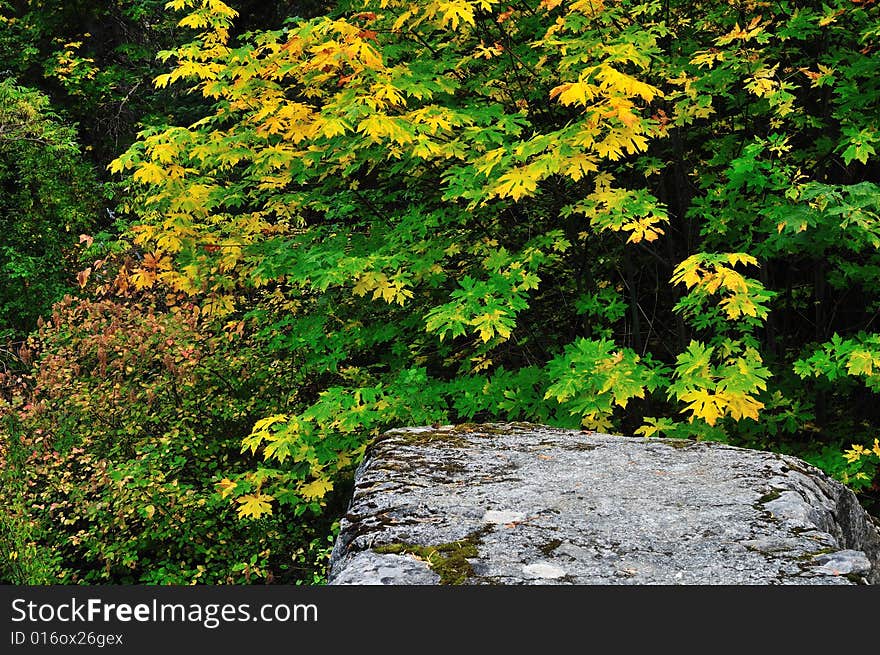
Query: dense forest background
point(239, 240)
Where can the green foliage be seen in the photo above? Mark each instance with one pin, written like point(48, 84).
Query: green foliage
point(47, 201)
point(21, 560)
point(590, 377)
point(864, 465)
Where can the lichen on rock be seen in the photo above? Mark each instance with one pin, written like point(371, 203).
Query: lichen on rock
point(529, 504)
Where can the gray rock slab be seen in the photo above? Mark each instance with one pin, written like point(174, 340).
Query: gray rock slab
point(530, 504)
point(386, 569)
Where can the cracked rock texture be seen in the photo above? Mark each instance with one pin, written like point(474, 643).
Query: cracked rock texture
point(549, 506)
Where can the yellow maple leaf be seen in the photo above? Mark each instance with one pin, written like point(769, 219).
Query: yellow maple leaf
point(574, 92)
point(578, 166)
point(860, 363)
point(369, 56)
point(225, 487)
point(730, 279)
point(705, 405)
point(455, 11)
point(330, 127)
point(143, 279)
point(365, 283)
point(488, 324)
point(254, 505)
point(516, 183)
point(644, 228)
point(490, 160)
point(620, 82)
point(689, 272)
point(384, 93)
point(149, 173)
point(739, 304)
point(741, 405)
point(265, 423)
point(316, 489)
point(219, 305)
point(735, 258)
point(163, 152)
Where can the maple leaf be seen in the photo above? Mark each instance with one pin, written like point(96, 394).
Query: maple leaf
point(455, 11)
point(627, 84)
point(218, 305)
point(860, 363)
point(741, 405)
point(143, 279)
point(330, 127)
point(516, 183)
point(163, 152)
point(688, 271)
point(254, 505)
point(225, 487)
point(265, 423)
point(575, 92)
point(149, 173)
point(737, 305)
point(735, 258)
point(578, 166)
point(491, 322)
point(316, 489)
point(705, 405)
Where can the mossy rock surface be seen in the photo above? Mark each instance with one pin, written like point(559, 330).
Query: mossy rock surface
point(528, 504)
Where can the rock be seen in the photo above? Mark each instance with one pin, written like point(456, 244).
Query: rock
point(543, 570)
point(376, 569)
point(527, 504)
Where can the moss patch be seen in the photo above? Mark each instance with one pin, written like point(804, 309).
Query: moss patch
point(481, 429)
point(436, 438)
point(678, 443)
point(550, 546)
point(580, 446)
point(449, 561)
point(766, 498)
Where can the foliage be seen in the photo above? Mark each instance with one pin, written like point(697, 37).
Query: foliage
point(134, 415)
point(442, 191)
point(866, 462)
point(655, 218)
point(96, 59)
point(47, 201)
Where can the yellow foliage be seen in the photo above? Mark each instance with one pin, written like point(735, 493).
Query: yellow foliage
point(710, 406)
point(382, 287)
point(516, 183)
point(150, 173)
point(488, 324)
point(575, 93)
point(316, 489)
point(218, 305)
point(705, 405)
point(454, 12)
point(225, 487)
point(613, 79)
point(254, 505)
